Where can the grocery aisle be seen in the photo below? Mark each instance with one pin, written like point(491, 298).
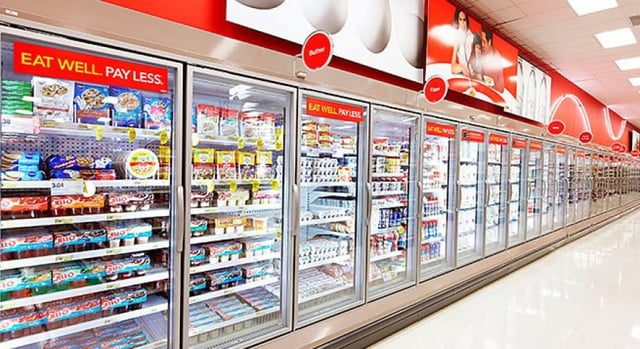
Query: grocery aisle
point(585, 295)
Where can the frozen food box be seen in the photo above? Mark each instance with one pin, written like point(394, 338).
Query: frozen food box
point(104, 175)
point(226, 165)
point(90, 105)
point(157, 113)
point(208, 119)
point(22, 176)
point(203, 163)
point(127, 111)
point(53, 99)
point(246, 165)
point(18, 321)
point(229, 119)
point(23, 158)
point(63, 162)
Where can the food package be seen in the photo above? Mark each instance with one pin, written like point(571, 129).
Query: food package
point(246, 165)
point(264, 165)
point(137, 164)
point(207, 119)
point(224, 251)
point(127, 111)
point(164, 157)
point(53, 99)
point(22, 175)
point(224, 278)
point(70, 162)
point(203, 163)
point(67, 205)
point(25, 206)
point(13, 103)
point(25, 243)
point(226, 165)
point(197, 284)
point(24, 158)
point(106, 175)
point(15, 323)
point(229, 122)
point(90, 106)
point(157, 113)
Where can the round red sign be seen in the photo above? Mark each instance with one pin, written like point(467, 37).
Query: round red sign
point(586, 137)
point(621, 148)
point(635, 153)
point(317, 50)
point(556, 127)
point(435, 89)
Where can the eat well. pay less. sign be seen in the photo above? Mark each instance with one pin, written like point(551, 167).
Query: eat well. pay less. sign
point(62, 64)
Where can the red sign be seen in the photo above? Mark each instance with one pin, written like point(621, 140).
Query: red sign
point(556, 127)
point(617, 147)
point(434, 129)
point(580, 154)
point(585, 137)
point(317, 50)
point(498, 139)
point(561, 150)
point(329, 109)
point(435, 89)
point(519, 143)
point(535, 145)
point(635, 153)
point(472, 136)
point(61, 64)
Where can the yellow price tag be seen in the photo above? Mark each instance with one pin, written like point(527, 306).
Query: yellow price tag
point(8, 224)
point(195, 139)
point(164, 137)
point(132, 134)
point(240, 143)
point(278, 234)
point(113, 285)
point(259, 143)
point(63, 258)
point(255, 185)
point(7, 305)
point(99, 132)
point(233, 186)
point(279, 145)
point(275, 184)
point(210, 186)
point(113, 217)
point(7, 185)
point(62, 220)
point(279, 132)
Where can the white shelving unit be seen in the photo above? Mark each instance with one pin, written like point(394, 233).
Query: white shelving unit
point(204, 182)
point(326, 220)
point(118, 183)
point(385, 230)
point(389, 193)
point(104, 217)
point(383, 175)
point(327, 184)
point(309, 298)
point(227, 209)
point(219, 325)
point(386, 154)
point(386, 256)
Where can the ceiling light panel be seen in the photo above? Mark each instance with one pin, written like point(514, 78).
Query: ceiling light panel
point(616, 38)
point(628, 63)
point(635, 81)
point(585, 7)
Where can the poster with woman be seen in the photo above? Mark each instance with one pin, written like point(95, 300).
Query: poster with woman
point(474, 60)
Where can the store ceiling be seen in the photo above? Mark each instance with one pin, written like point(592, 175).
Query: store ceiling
point(552, 32)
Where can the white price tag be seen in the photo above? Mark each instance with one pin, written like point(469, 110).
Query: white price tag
point(67, 187)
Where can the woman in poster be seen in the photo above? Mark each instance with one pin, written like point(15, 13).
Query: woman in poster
point(462, 46)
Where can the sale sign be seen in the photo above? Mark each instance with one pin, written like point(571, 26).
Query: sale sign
point(519, 143)
point(440, 130)
point(556, 127)
point(533, 145)
point(472, 136)
point(69, 65)
point(333, 110)
point(498, 139)
point(435, 89)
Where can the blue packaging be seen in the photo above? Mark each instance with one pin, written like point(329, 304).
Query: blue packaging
point(127, 112)
point(90, 105)
point(157, 113)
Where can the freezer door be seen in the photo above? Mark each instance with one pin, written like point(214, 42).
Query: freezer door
point(471, 193)
point(239, 163)
point(573, 184)
point(560, 193)
point(394, 202)
point(332, 169)
point(496, 192)
point(91, 195)
point(535, 188)
point(439, 154)
point(517, 204)
point(549, 187)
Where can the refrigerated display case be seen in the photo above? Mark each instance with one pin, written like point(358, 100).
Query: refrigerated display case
point(393, 200)
point(517, 210)
point(537, 174)
point(90, 213)
point(496, 197)
point(238, 237)
point(596, 193)
point(470, 195)
point(330, 256)
point(549, 186)
point(583, 186)
point(560, 192)
point(438, 210)
point(573, 186)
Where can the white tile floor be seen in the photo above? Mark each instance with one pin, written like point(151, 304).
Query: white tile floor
point(584, 295)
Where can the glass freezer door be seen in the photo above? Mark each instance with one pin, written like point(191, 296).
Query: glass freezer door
point(583, 182)
point(573, 184)
point(516, 204)
point(471, 178)
point(392, 230)
point(331, 241)
point(238, 236)
point(438, 150)
point(560, 193)
point(534, 188)
point(496, 193)
point(88, 195)
point(549, 187)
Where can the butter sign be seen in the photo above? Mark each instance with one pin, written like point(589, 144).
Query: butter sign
point(62, 64)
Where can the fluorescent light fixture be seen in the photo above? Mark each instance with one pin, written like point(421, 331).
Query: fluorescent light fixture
point(616, 38)
point(635, 81)
point(628, 63)
point(585, 7)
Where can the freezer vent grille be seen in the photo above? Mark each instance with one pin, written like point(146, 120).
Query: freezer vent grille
point(240, 339)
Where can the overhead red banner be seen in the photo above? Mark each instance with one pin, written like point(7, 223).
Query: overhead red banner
point(333, 110)
point(518, 143)
point(498, 139)
point(580, 154)
point(434, 129)
point(69, 65)
point(472, 136)
point(535, 145)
